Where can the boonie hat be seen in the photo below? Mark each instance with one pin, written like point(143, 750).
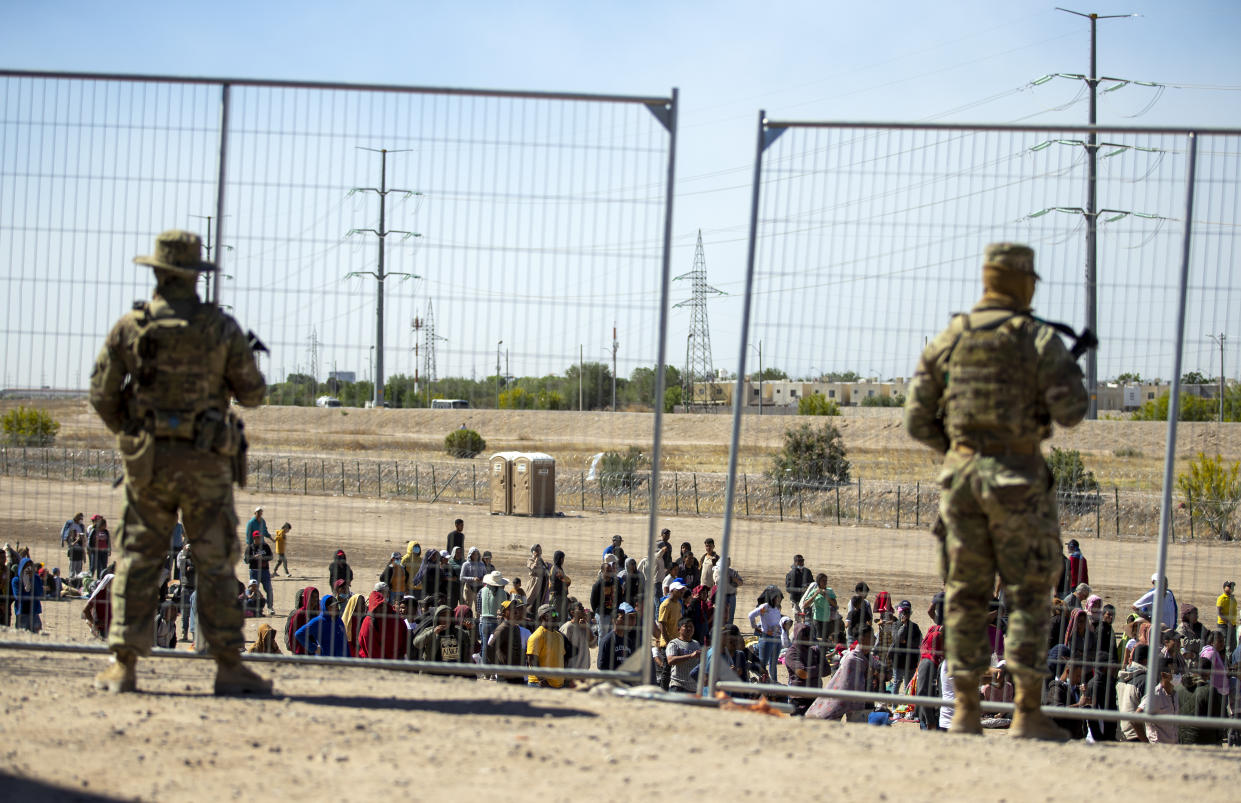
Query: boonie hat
point(625, 607)
point(494, 579)
point(178, 251)
point(1010, 256)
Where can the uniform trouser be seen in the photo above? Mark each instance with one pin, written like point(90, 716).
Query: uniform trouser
point(200, 485)
point(1000, 515)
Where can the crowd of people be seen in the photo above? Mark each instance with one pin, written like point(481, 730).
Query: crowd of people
point(454, 605)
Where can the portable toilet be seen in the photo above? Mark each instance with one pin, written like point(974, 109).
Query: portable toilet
point(501, 482)
point(534, 484)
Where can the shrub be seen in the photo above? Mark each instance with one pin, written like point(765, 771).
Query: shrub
point(897, 400)
point(1076, 487)
point(1212, 489)
point(30, 426)
point(464, 443)
point(817, 404)
point(811, 457)
point(620, 472)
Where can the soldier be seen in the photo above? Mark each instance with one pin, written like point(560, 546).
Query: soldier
point(163, 383)
point(985, 394)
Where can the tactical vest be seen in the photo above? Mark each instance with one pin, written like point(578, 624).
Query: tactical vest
point(179, 368)
point(992, 393)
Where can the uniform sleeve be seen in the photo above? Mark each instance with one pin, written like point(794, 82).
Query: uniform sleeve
point(241, 371)
point(108, 378)
point(922, 403)
point(1060, 379)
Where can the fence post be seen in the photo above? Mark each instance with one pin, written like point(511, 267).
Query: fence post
point(415, 482)
point(631, 496)
point(898, 507)
point(474, 480)
point(780, 498)
point(801, 513)
point(396, 473)
point(859, 500)
point(357, 468)
point(745, 481)
point(73, 466)
point(583, 490)
point(434, 493)
point(918, 504)
point(676, 495)
point(1098, 514)
point(305, 479)
point(342, 478)
point(271, 475)
point(379, 479)
point(25, 462)
point(838, 503)
point(602, 505)
point(323, 476)
point(696, 508)
point(289, 465)
point(1116, 491)
point(1189, 505)
point(45, 468)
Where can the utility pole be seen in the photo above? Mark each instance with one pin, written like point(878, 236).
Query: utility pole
point(1220, 340)
point(498, 344)
point(581, 358)
point(379, 275)
point(615, 346)
point(1091, 213)
point(760, 376)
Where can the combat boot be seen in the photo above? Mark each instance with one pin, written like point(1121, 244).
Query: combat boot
point(232, 678)
point(119, 677)
point(966, 714)
point(1029, 722)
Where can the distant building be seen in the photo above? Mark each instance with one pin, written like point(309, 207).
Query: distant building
point(342, 376)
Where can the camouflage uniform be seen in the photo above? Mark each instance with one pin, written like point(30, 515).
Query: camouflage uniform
point(985, 394)
point(163, 382)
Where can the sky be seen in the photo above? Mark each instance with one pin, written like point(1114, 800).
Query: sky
point(946, 62)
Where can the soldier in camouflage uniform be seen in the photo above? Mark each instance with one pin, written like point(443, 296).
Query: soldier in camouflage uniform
point(985, 394)
point(163, 383)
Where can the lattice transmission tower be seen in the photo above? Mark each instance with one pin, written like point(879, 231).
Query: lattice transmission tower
point(699, 372)
point(425, 327)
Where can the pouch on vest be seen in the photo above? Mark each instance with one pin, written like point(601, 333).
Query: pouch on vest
point(138, 453)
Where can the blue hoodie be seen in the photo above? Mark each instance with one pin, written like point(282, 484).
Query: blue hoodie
point(26, 602)
point(324, 634)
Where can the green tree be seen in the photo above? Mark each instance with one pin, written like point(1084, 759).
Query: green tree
point(768, 375)
point(843, 376)
point(640, 388)
point(811, 456)
point(672, 397)
point(1129, 377)
point(464, 443)
point(1212, 490)
point(30, 426)
point(1193, 408)
point(517, 399)
point(817, 404)
point(1076, 487)
point(596, 385)
point(620, 471)
point(1196, 378)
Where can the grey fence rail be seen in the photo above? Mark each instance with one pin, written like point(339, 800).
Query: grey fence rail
point(1098, 513)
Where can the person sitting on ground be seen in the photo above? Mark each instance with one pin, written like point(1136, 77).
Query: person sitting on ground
point(443, 641)
point(1068, 691)
point(546, 649)
point(251, 600)
point(166, 626)
point(618, 644)
point(325, 634)
point(1078, 598)
point(852, 675)
point(1160, 699)
point(265, 642)
point(804, 662)
point(996, 688)
point(381, 634)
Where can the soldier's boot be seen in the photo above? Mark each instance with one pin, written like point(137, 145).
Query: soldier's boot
point(232, 678)
point(966, 714)
point(119, 677)
point(1029, 721)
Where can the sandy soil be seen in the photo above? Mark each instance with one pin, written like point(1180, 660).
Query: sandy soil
point(360, 735)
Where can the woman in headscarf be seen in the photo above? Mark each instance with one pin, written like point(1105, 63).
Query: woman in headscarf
point(355, 610)
point(1193, 634)
point(472, 573)
point(426, 579)
point(540, 575)
point(307, 608)
point(27, 591)
point(1077, 636)
point(632, 583)
point(98, 610)
point(265, 643)
point(382, 633)
point(559, 588)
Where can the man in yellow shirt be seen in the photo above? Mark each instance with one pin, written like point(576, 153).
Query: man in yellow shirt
point(281, 535)
point(545, 648)
point(1226, 617)
point(670, 612)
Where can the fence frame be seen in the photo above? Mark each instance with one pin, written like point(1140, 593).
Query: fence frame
point(664, 109)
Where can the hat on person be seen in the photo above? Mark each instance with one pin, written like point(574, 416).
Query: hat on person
point(1010, 256)
point(444, 553)
point(340, 553)
point(396, 555)
point(616, 539)
point(610, 559)
point(905, 605)
point(178, 251)
point(96, 517)
point(253, 583)
point(1155, 577)
point(546, 610)
point(675, 585)
point(1072, 544)
point(625, 607)
point(258, 510)
point(494, 579)
point(1229, 584)
point(381, 586)
point(883, 602)
point(665, 531)
point(339, 583)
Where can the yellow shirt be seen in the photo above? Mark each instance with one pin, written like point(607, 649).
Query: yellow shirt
point(548, 647)
point(670, 613)
point(281, 534)
point(1229, 604)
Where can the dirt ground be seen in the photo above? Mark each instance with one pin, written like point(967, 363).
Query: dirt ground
point(334, 732)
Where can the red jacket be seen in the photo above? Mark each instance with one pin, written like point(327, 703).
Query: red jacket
point(381, 632)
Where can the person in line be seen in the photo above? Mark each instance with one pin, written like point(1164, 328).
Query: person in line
point(765, 619)
point(339, 569)
point(395, 577)
point(381, 634)
point(99, 540)
point(256, 528)
point(1226, 616)
point(73, 525)
point(307, 605)
point(579, 636)
point(265, 642)
point(618, 644)
point(456, 536)
point(545, 649)
point(559, 583)
point(539, 588)
point(472, 573)
point(27, 592)
point(905, 647)
point(506, 646)
point(682, 654)
point(798, 579)
point(853, 674)
point(443, 641)
point(324, 634)
point(259, 556)
point(605, 595)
